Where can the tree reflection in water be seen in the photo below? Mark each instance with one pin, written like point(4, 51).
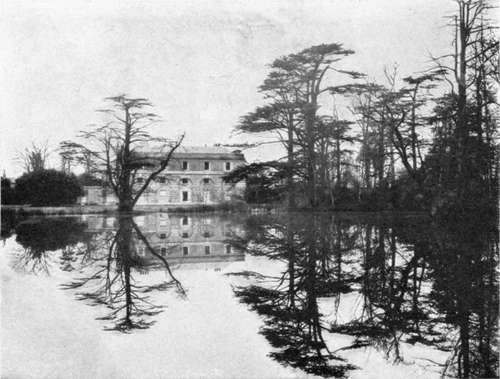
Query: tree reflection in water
point(293, 322)
point(107, 259)
point(426, 281)
point(420, 281)
point(38, 237)
point(465, 290)
point(113, 285)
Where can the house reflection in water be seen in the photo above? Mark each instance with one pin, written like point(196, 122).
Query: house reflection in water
point(180, 238)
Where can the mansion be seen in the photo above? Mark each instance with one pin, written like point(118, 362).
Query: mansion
point(194, 176)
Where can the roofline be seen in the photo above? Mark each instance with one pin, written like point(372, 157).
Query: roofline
point(175, 155)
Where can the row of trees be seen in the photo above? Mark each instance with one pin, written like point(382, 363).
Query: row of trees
point(417, 146)
point(429, 137)
point(312, 142)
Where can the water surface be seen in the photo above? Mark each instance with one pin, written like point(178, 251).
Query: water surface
point(281, 295)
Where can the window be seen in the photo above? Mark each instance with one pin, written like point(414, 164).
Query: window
point(184, 181)
point(163, 236)
point(185, 221)
point(228, 166)
point(206, 181)
point(207, 165)
point(228, 249)
point(185, 195)
point(207, 250)
point(184, 165)
point(140, 180)
point(162, 179)
point(185, 250)
point(206, 234)
point(185, 235)
point(163, 250)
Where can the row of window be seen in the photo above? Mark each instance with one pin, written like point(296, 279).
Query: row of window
point(186, 235)
point(163, 179)
point(186, 196)
point(206, 165)
point(205, 234)
point(185, 220)
point(185, 250)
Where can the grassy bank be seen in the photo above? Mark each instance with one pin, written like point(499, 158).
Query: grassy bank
point(103, 209)
point(58, 211)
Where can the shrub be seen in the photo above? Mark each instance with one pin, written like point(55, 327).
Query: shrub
point(47, 187)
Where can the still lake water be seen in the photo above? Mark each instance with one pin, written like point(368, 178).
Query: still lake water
point(238, 296)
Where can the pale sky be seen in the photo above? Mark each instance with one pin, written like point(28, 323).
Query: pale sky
point(199, 62)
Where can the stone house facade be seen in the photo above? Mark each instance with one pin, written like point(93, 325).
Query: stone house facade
point(194, 176)
point(189, 238)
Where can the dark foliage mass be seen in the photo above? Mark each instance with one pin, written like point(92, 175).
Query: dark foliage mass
point(49, 234)
point(264, 181)
point(41, 237)
point(47, 188)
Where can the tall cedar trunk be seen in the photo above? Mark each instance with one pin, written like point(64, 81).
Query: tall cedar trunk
point(367, 176)
point(483, 116)
point(381, 154)
point(291, 163)
point(311, 161)
point(125, 196)
point(413, 126)
point(461, 102)
point(323, 168)
point(393, 164)
point(365, 160)
point(338, 156)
